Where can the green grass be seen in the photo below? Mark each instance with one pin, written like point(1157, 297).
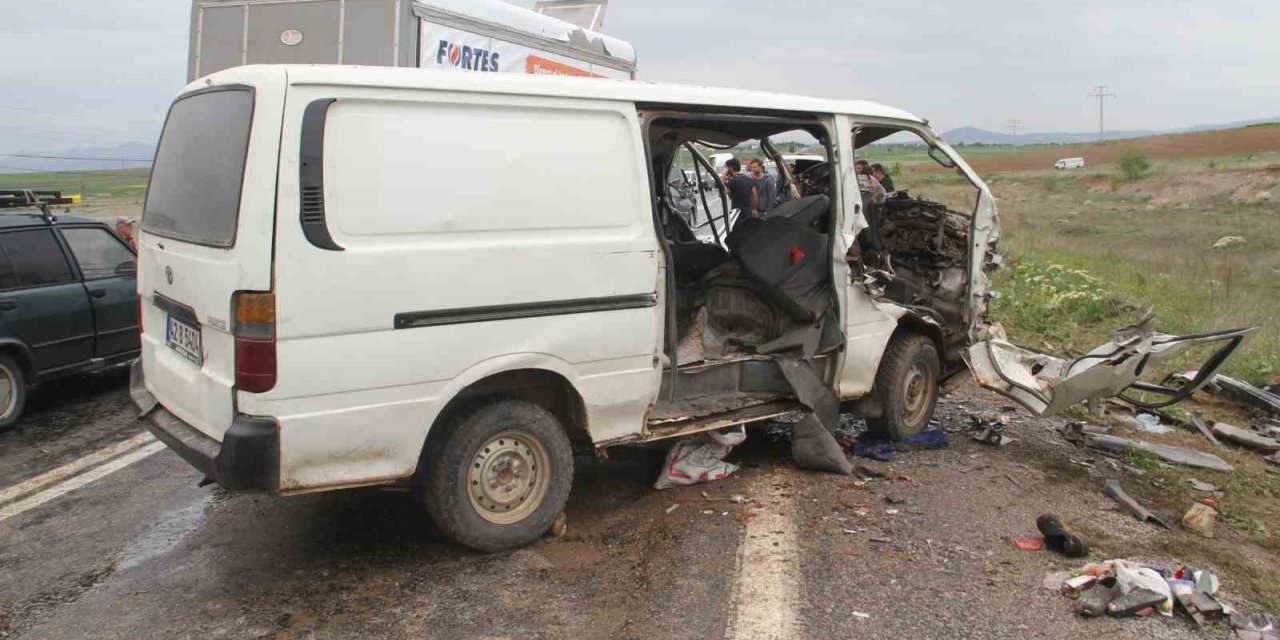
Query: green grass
point(118, 183)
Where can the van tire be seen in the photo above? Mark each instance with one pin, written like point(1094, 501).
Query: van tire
point(504, 513)
point(907, 385)
point(13, 392)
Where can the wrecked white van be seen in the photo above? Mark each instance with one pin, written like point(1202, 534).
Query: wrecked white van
point(355, 276)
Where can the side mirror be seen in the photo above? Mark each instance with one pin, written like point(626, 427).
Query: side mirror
point(940, 157)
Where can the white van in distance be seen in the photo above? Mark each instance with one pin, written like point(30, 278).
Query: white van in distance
point(347, 277)
point(1069, 163)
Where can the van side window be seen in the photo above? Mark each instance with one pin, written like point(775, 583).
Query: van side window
point(36, 257)
point(100, 254)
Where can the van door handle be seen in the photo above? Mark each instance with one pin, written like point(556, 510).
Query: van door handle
point(8, 305)
point(98, 293)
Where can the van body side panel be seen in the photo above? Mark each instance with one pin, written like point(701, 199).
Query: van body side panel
point(194, 278)
point(478, 233)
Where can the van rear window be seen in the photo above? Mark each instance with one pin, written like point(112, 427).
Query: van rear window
point(195, 185)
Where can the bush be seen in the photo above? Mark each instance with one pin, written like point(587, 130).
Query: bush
point(1133, 164)
point(895, 169)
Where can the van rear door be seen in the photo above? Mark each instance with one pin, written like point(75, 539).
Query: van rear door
point(206, 234)
point(1046, 385)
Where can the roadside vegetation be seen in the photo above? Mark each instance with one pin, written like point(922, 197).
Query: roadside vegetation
point(123, 183)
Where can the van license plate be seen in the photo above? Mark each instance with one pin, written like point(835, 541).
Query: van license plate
point(184, 339)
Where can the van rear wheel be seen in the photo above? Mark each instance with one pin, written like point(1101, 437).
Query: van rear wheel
point(907, 384)
point(499, 476)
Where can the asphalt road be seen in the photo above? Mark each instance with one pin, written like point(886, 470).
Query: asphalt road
point(141, 551)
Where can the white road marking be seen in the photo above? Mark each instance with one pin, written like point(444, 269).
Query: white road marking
point(767, 584)
point(74, 467)
point(79, 481)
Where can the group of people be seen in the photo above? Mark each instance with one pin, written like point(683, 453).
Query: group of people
point(755, 192)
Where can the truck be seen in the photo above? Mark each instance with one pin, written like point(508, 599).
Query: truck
point(483, 36)
point(1069, 163)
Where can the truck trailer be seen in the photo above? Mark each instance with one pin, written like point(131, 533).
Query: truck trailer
point(483, 36)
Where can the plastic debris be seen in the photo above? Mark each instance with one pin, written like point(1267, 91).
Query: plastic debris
point(1133, 581)
point(875, 449)
point(1149, 423)
point(1097, 597)
point(559, 526)
point(700, 458)
point(1059, 537)
point(673, 508)
point(993, 437)
point(930, 440)
point(1200, 485)
point(860, 615)
point(1199, 519)
point(1029, 543)
point(1053, 581)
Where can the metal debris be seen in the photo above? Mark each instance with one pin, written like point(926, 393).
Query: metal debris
point(1197, 421)
point(1114, 490)
point(1200, 485)
point(1246, 438)
point(1121, 446)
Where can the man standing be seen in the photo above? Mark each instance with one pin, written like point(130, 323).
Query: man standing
point(766, 188)
point(124, 227)
point(877, 172)
point(742, 192)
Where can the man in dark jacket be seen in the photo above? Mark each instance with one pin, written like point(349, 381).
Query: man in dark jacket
point(742, 191)
point(878, 172)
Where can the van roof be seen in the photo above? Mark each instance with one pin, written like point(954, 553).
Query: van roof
point(561, 86)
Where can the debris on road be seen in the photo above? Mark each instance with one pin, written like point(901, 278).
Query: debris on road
point(1121, 446)
point(1059, 537)
point(1199, 519)
point(1117, 493)
point(1237, 391)
point(1246, 438)
point(885, 451)
point(1258, 626)
point(860, 615)
point(1197, 421)
point(990, 436)
point(1029, 543)
point(1127, 588)
point(1149, 423)
point(672, 508)
point(1200, 485)
point(700, 458)
point(559, 526)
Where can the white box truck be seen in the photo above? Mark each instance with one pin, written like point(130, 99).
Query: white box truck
point(469, 35)
point(1069, 163)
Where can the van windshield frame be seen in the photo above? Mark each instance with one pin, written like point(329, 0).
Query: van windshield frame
point(210, 160)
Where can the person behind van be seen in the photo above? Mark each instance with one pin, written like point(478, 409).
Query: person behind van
point(742, 191)
point(124, 227)
point(878, 172)
point(765, 186)
point(861, 168)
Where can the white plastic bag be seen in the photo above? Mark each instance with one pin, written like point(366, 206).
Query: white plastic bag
point(1130, 576)
point(700, 458)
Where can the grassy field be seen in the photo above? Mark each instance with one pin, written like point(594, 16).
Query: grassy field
point(91, 184)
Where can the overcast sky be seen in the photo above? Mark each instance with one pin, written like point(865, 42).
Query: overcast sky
point(81, 73)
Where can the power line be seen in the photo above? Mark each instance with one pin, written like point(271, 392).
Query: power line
point(1101, 93)
point(27, 155)
point(1014, 125)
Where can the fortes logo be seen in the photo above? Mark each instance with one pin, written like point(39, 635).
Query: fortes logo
point(465, 57)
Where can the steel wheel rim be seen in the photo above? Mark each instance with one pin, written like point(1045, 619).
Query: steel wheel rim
point(8, 393)
point(916, 393)
point(508, 477)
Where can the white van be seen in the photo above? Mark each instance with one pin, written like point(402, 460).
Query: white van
point(1069, 163)
point(402, 277)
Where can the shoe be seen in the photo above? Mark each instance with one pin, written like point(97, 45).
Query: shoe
point(1060, 538)
point(1094, 600)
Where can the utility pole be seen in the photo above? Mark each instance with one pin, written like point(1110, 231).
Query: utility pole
point(1014, 124)
point(1101, 93)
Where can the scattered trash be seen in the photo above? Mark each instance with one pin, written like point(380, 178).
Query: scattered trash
point(1149, 423)
point(891, 512)
point(876, 450)
point(1246, 438)
point(895, 499)
point(1126, 588)
point(1095, 600)
point(1059, 537)
point(1053, 581)
point(1121, 446)
point(1029, 543)
point(1199, 519)
point(1258, 626)
point(990, 436)
point(930, 440)
point(860, 615)
point(1073, 586)
point(672, 508)
point(700, 458)
point(708, 512)
point(1197, 421)
point(1114, 490)
point(1228, 241)
point(1237, 390)
point(1140, 587)
point(880, 540)
point(736, 498)
point(869, 470)
point(1201, 485)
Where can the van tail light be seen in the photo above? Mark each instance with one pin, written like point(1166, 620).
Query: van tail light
point(254, 328)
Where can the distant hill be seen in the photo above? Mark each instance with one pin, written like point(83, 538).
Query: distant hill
point(974, 135)
point(127, 155)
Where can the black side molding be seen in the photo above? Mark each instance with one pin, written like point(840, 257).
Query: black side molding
point(413, 319)
point(311, 175)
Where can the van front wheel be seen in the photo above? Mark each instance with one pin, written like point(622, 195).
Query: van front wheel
point(499, 476)
point(907, 384)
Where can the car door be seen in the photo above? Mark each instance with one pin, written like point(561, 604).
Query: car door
point(42, 303)
point(109, 269)
point(1046, 385)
